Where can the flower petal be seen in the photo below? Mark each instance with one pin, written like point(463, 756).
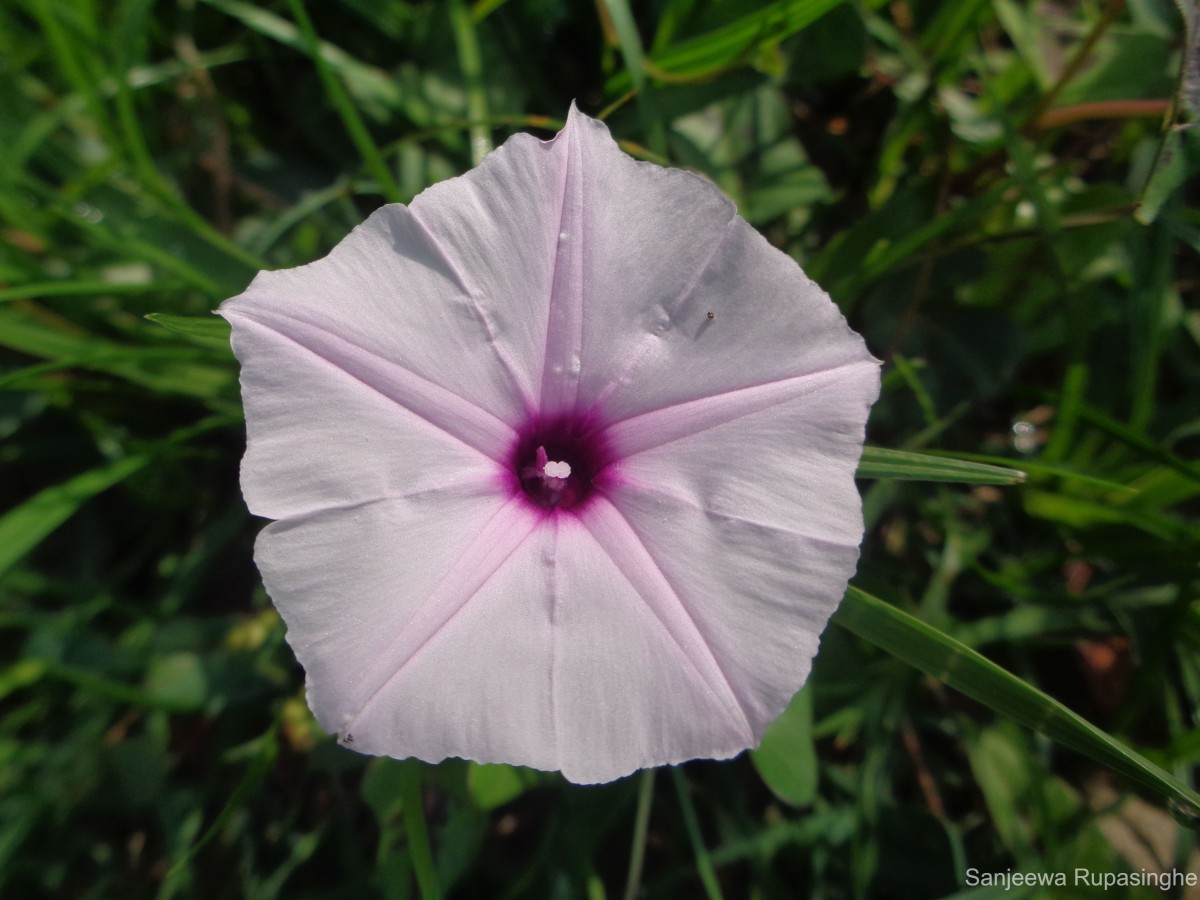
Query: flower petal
point(578, 252)
point(384, 290)
point(755, 521)
point(769, 323)
point(421, 624)
point(500, 222)
point(634, 683)
point(469, 673)
point(323, 434)
point(643, 236)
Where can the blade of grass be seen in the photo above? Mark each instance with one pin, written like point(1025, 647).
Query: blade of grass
point(369, 85)
point(641, 821)
point(1033, 467)
point(704, 866)
point(355, 127)
point(1138, 441)
point(879, 462)
point(954, 663)
point(127, 245)
point(211, 328)
point(418, 834)
point(266, 749)
point(63, 47)
point(176, 370)
point(635, 64)
point(733, 44)
point(484, 8)
point(471, 63)
point(132, 24)
point(27, 525)
point(84, 288)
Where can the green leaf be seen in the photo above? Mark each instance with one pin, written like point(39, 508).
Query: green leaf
point(786, 759)
point(177, 681)
point(492, 786)
point(956, 664)
point(879, 462)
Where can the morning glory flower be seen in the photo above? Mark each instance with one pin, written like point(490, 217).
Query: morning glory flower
point(561, 461)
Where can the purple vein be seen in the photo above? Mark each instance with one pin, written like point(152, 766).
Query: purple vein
point(443, 409)
point(650, 340)
point(637, 565)
point(486, 555)
point(481, 313)
point(564, 321)
point(645, 431)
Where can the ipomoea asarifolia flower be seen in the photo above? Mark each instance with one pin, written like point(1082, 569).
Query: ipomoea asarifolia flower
point(561, 457)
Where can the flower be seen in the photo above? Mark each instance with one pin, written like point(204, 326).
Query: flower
point(561, 459)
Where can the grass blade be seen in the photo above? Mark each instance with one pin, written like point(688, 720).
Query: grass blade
point(641, 821)
point(418, 833)
point(704, 865)
point(471, 62)
point(710, 53)
point(24, 527)
point(355, 127)
point(937, 654)
point(206, 329)
point(880, 462)
point(635, 64)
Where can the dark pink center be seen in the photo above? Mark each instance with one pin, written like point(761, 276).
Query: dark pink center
point(559, 462)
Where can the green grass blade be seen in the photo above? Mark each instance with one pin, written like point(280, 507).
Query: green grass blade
point(207, 329)
point(879, 462)
point(635, 64)
point(1049, 470)
point(418, 834)
point(704, 865)
point(24, 527)
point(84, 288)
point(733, 44)
point(189, 371)
point(937, 654)
point(266, 749)
point(1139, 441)
point(471, 62)
point(641, 822)
point(355, 127)
point(370, 86)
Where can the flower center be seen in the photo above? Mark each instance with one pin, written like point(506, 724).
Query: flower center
point(558, 461)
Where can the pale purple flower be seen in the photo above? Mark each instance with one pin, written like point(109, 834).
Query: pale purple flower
point(562, 461)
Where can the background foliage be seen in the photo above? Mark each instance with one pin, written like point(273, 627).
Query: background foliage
point(994, 192)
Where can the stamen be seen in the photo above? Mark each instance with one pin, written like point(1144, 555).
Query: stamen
point(557, 470)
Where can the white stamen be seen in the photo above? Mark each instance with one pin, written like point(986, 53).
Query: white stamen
point(557, 470)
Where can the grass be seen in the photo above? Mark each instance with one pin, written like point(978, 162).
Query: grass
point(997, 196)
